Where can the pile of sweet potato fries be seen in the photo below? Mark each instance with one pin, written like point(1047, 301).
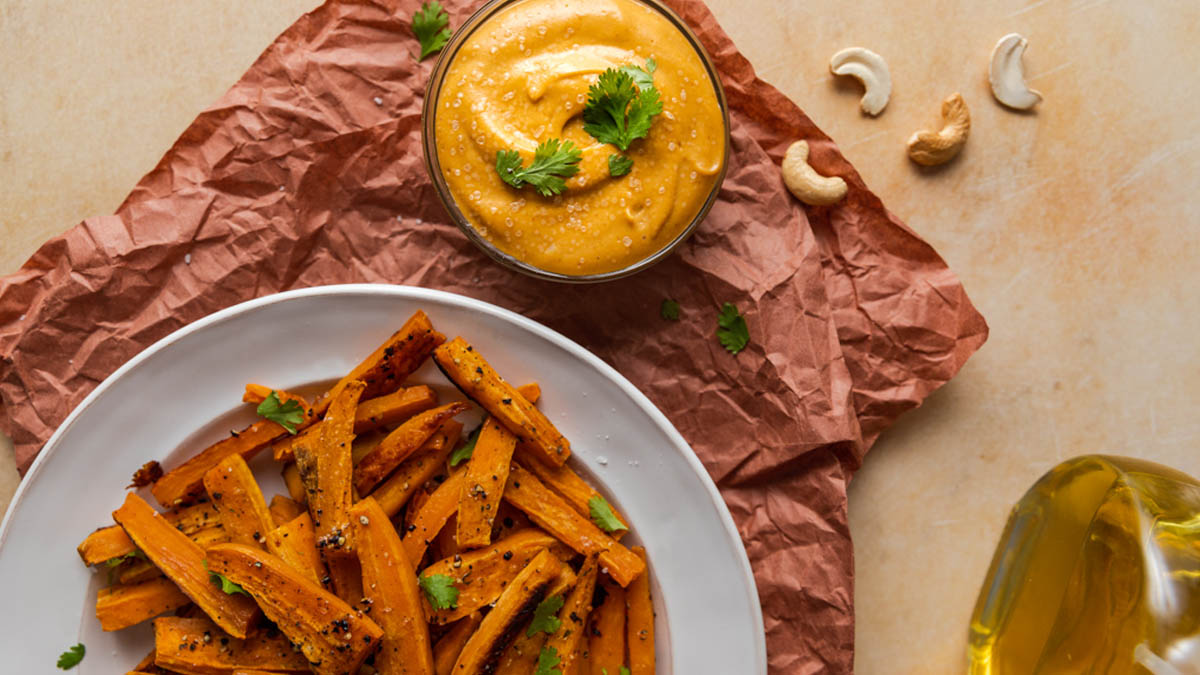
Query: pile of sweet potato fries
point(403, 547)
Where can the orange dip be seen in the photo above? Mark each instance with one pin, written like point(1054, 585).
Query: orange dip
point(521, 78)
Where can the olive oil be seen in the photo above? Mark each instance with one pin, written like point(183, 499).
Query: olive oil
point(1098, 571)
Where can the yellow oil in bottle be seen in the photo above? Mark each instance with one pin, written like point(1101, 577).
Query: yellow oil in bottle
point(1098, 571)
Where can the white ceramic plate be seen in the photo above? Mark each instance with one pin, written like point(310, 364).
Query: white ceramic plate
point(180, 395)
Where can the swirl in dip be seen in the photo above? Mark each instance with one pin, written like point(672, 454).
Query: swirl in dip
point(521, 78)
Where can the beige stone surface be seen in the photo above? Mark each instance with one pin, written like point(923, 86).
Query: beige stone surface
point(1076, 229)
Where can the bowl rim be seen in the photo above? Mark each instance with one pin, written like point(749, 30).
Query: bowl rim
point(433, 166)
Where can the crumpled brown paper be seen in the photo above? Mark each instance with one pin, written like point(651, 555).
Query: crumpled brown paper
point(297, 177)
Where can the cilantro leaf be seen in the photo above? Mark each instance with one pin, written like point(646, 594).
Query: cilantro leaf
point(669, 310)
point(552, 161)
point(642, 77)
point(547, 659)
point(618, 111)
point(440, 591)
point(545, 616)
point(113, 563)
point(286, 414)
point(71, 658)
point(430, 25)
point(227, 587)
point(732, 331)
point(619, 165)
point(603, 516)
point(463, 452)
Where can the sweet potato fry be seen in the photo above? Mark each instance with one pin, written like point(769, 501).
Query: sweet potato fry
point(371, 414)
point(119, 607)
point(472, 374)
point(564, 482)
point(295, 484)
point(294, 543)
point(640, 622)
point(555, 516)
point(404, 441)
point(522, 655)
point(199, 646)
point(513, 609)
point(481, 575)
point(284, 509)
point(330, 633)
point(139, 569)
point(570, 639)
point(239, 501)
point(447, 649)
point(394, 360)
point(182, 561)
point(431, 517)
point(186, 481)
point(390, 585)
point(345, 575)
point(325, 468)
point(393, 493)
point(483, 485)
point(111, 542)
point(606, 639)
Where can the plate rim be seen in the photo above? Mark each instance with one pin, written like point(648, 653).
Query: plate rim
point(30, 479)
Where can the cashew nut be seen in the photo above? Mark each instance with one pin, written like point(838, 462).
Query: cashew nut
point(1007, 75)
point(870, 69)
point(803, 181)
point(931, 148)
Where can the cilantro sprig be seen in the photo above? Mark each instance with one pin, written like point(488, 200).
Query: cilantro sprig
point(463, 452)
point(547, 660)
point(431, 26)
point(545, 617)
point(669, 310)
point(553, 161)
point(621, 105)
point(732, 331)
point(440, 590)
point(71, 658)
point(603, 516)
point(286, 414)
point(619, 165)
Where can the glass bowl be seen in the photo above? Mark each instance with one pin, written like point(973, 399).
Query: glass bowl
point(433, 165)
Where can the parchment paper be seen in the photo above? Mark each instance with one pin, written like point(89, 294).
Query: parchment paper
point(297, 177)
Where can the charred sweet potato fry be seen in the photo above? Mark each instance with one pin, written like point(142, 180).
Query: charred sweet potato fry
point(432, 516)
point(331, 634)
point(513, 609)
point(393, 493)
point(111, 542)
point(404, 441)
point(555, 516)
point(119, 607)
point(472, 374)
point(564, 482)
point(481, 575)
point(570, 639)
point(239, 501)
point(186, 481)
point(639, 624)
point(522, 655)
point(483, 485)
point(182, 561)
point(394, 360)
point(326, 469)
point(447, 649)
point(295, 484)
point(371, 414)
point(606, 639)
point(391, 591)
point(294, 543)
point(284, 509)
point(197, 645)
